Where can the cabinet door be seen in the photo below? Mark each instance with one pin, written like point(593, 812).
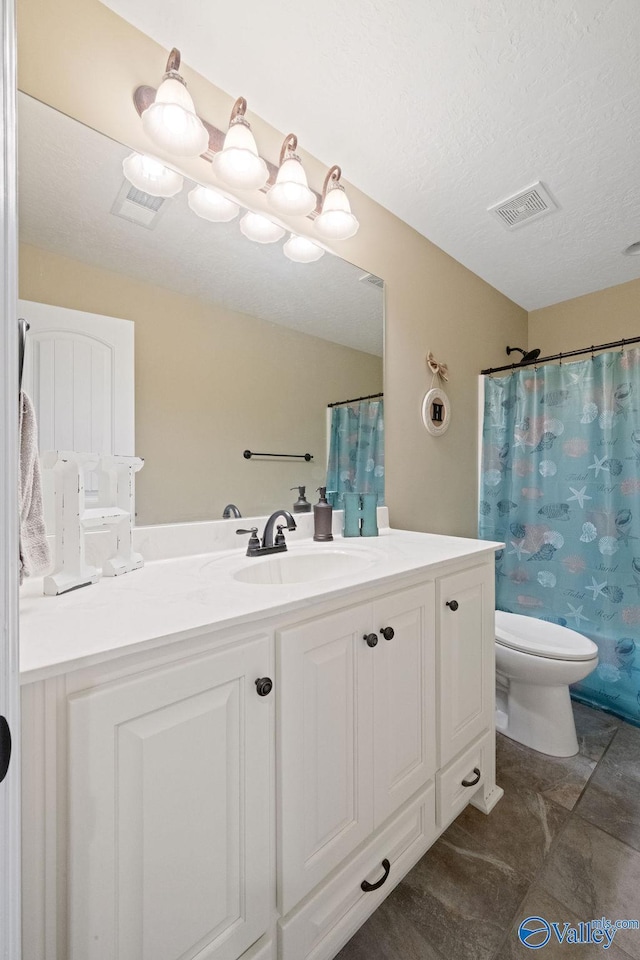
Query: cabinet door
point(466, 615)
point(404, 697)
point(325, 759)
point(169, 811)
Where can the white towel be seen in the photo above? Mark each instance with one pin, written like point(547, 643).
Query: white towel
point(34, 549)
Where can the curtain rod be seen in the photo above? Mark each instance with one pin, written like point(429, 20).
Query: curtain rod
point(371, 396)
point(561, 356)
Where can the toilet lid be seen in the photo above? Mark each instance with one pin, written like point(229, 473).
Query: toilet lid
point(542, 639)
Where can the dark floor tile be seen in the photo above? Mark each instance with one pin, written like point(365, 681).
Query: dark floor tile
point(518, 831)
point(539, 903)
point(612, 798)
point(595, 730)
point(388, 935)
point(561, 779)
point(460, 897)
point(595, 875)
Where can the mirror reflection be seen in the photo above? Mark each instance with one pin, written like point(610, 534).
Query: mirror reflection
point(159, 333)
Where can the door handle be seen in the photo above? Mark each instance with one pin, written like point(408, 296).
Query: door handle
point(5, 747)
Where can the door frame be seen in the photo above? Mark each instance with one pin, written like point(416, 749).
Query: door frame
point(9, 543)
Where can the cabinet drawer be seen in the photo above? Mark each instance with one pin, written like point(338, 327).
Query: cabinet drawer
point(264, 949)
point(453, 796)
point(318, 929)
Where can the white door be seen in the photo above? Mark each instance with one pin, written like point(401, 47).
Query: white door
point(79, 372)
point(466, 611)
point(404, 691)
point(170, 806)
point(325, 747)
point(9, 691)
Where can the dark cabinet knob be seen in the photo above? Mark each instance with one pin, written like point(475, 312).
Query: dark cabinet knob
point(371, 638)
point(264, 686)
point(453, 605)
point(368, 887)
point(387, 632)
point(476, 779)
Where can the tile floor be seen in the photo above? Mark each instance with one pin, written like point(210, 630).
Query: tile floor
point(563, 843)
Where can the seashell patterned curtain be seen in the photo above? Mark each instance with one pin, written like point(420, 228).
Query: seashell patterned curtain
point(560, 485)
point(356, 449)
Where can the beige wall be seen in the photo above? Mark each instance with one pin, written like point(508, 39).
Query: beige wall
point(81, 58)
point(599, 317)
point(202, 396)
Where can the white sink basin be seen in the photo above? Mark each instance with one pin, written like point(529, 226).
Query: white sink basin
point(303, 567)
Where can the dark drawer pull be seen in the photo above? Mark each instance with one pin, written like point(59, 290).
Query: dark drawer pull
point(387, 632)
point(5, 747)
point(371, 638)
point(453, 605)
point(472, 783)
point(368, 887)
point(264, 686)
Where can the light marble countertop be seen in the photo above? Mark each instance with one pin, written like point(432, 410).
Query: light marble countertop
point(173, 599)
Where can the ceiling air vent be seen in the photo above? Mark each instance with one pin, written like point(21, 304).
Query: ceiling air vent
point(523, 207)
point(138, 207)
point(372, 279)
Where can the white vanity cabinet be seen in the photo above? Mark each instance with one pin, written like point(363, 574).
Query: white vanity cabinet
point(356, 722)
point(171, 812)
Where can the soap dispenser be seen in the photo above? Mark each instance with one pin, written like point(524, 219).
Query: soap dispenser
point(322, 517)
point(301, 505)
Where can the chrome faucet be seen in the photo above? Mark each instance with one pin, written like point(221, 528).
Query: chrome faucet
point(257, 548)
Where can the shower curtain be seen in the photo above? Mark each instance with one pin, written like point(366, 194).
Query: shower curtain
point(356, 449)
point(560, 485)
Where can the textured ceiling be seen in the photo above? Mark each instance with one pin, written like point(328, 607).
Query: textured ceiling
point(69, 178)
point(440, 108)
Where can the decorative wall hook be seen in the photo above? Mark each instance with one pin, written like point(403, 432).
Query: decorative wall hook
point(440, 370)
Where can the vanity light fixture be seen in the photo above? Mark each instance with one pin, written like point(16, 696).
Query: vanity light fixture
point(260, 229)
point(151, 176)
point(335, 220)
point(171, 120)
point(302, 250)
point(290, 194)
point(238, 163)
point(211, 205)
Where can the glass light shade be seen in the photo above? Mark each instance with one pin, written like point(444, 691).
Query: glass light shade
point(335, 221)
point(238, 163)
point(151, 176)
point(171, 121)
point(260, 229)
point(211, 205)
point(290, 194)
point(302, 250)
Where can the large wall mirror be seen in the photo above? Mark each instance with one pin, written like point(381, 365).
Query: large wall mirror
point(236, 347)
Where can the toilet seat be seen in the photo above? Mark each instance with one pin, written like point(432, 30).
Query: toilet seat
point(539, 638)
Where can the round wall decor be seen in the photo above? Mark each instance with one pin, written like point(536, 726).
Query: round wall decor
point(436, 411)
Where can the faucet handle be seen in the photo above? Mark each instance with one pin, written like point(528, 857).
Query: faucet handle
point(254, 543)
point(279, 535)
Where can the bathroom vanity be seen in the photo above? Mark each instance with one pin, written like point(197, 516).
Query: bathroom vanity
point(232, 757)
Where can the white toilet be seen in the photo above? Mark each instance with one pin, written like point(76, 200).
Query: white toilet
point(535, 663)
